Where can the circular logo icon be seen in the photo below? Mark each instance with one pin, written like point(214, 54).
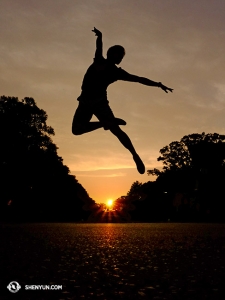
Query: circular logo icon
point(13, 287)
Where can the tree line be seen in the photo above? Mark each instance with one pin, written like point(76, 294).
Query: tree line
point(189, 188)
point(35, 185)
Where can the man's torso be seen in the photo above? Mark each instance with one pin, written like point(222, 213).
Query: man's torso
point(97, 78)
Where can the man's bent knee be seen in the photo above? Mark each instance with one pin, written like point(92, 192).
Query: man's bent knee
point(77, 130)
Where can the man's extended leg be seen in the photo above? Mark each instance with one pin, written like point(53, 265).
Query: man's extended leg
point(126, 142)
point(104, 113)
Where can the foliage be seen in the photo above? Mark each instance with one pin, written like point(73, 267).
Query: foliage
point(35, 184)
point(177, 155)
point(135, 192)
point(190, 186)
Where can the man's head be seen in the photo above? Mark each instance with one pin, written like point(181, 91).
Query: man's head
point(115, 54)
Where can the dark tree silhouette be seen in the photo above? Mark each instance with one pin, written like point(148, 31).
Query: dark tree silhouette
point(193, 176)
point(190, 186)
point(180, 155)
point(35, 184)
point(136, 191)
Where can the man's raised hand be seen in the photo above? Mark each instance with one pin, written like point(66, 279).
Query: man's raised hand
point(97, 32)
point(165, 88)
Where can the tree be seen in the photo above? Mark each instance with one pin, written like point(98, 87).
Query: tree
point(194, 169)
point(180, 155)
point(33, 177)
point(136, 191)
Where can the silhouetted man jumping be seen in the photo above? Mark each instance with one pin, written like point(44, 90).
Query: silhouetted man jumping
point(93, 98)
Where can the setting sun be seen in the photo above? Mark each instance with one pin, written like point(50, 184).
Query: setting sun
point(110, 202)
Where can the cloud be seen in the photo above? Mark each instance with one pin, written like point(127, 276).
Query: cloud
point(101, 173)
point(93, 162)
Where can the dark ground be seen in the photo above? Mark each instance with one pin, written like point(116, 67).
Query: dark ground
point(114, 261)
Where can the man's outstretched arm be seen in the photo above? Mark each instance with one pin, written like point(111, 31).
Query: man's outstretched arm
point(146, 81)
point(149, 82)
point(99, 44)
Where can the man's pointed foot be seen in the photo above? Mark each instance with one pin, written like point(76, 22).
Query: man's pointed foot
point(116, 121)
point(139, 164)
point(120, 121)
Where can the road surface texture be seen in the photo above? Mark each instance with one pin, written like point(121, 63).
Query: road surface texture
point(113, 261)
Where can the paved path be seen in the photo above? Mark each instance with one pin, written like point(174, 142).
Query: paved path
point(114, 261)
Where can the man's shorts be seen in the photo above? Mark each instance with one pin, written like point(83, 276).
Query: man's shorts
point(85, 111)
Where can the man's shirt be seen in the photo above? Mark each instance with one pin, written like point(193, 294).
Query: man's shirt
point(97, 78)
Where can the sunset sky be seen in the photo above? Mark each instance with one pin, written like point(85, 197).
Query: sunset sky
point(47, 45)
